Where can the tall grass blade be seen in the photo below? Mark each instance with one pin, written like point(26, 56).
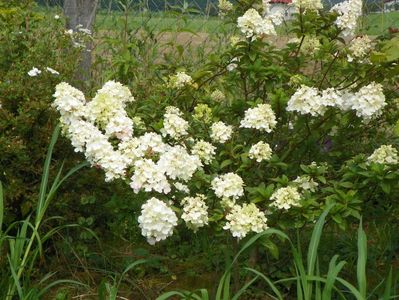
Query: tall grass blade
point(226, 288)
point(268, 281)
point(170, 294)
point(129, 267)
point(46, 171)
point(57, 183)
point(361, 260)
point(388, 286)
point(313, 247)
point(220, 286)
point(1, 207)
point(317, 287)
point(244, 288)
point(333, 271)
point(253, 239)
point(301, 274)
point(16, 284)
point(315, 240)
point(351, 288)
point(58, 282)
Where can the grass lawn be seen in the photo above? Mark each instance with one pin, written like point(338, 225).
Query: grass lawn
point(377, 23)
point(159, 23)
point(372, 24)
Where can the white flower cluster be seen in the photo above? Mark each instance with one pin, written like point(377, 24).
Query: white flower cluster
point(174, 125)
point(253, 25)
point(180, 80)
point(233, 64)
point(261, 117)
point(306, 183)
point(260, 151)
point(228, 185)
point(146, 145)
point(157, 220)
point(359, 49)
point(195, 212)
point(286, 197)
point(84, 135)
point(308, 4)
point(176, 163)
point(310, 44)
point(244, 219)
point(348, 13)
point(181, 187)
point(220, 132)
point(204, 150)
point(107, 110)
point(35, 71)
point(149, 176)
point(153, 161)
point(218, 96)
point(306, 100)
point(386, 155)
point(224, 7)
point(367, 102)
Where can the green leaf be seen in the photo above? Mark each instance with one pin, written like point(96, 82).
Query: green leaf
point(386, 187)
point(225, 163)
point(361, 260)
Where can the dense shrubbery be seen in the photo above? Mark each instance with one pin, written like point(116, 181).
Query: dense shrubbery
point(28, 40)
point(260, 136)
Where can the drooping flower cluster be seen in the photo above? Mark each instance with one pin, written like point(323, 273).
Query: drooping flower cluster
point(154, 163)
point(386, 155)
point(180, 80)
point(221, 132)
point(306, 183)
point(157, 220)
point(228, 185)
point(348, 13)
point(286, 197)
point(359, 49)
point(367, 102)
point(173, 124)
point(260, 151)
point(195, 212)
point(224, 7)
point(107, 110)
point(307, 4)
point(244, 219)
point(254, 26)
point(204, 150)
point(84, 135)
point(260, 117)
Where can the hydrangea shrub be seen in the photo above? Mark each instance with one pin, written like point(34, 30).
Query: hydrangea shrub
point(263, 136)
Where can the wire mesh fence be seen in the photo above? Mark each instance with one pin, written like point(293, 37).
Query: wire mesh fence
point(191, 29)
point(201, 16)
